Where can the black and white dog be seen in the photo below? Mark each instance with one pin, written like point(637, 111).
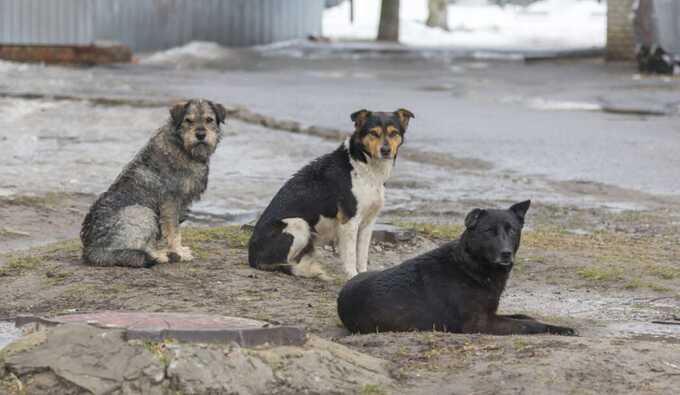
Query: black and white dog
point(336, 197)
point(454, 288)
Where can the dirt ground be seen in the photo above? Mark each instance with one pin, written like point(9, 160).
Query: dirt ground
point(607, 274)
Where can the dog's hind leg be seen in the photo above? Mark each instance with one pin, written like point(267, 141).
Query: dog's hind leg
point(129, 241)
point(500, 325)
point(126, 257)
point(309, 266)
point(301, 232)
point(301, 256)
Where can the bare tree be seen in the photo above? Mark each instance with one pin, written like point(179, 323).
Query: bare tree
point(389, 21)
point(438, 16)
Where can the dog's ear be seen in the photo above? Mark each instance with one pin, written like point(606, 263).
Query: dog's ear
point(520, 209)
point(473, 217)
point(220, 112)
point(359, 117)
point(404, 116)
point(178, 111)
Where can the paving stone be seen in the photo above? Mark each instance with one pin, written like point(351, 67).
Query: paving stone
point(202, 328)
point(202, 370)
point(383, 233)
point(84, 357)
point(76, 358)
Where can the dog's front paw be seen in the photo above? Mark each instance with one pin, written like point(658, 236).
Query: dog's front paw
point(160, 256)
point(181, 254)
point(561, 330)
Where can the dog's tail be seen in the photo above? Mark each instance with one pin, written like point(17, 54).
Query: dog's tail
point(122, 257)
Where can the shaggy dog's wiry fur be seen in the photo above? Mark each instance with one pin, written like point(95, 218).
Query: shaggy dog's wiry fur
point(337, 197)
point(454, 288)
point(148, 199)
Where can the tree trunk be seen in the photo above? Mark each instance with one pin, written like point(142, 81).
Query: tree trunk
point(389, 21)
point(438, 14)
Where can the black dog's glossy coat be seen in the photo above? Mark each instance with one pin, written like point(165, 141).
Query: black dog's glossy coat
point(454, 288)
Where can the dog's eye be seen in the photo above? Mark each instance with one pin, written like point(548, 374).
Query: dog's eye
point(189, 121)
point(209, 120)
point(375, 134)
point(393, 134)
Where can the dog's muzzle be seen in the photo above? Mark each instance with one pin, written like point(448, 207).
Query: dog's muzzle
point(504, 265)
point(386, 152)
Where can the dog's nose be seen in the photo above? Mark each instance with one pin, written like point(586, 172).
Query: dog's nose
point(506, 256)
point(385, 150)
point(200, 135)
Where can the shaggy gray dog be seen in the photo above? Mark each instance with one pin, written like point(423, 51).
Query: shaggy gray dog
point(150, 197)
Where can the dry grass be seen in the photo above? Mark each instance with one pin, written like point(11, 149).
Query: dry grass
point(232, 235)
point(602, 258)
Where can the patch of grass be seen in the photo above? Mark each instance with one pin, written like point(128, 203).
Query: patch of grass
point(11, 385)
point(372, 389)
point(233, 235)
point(600, 274)
point(78, 291)
point(56, 278)
point(616, 257)
point(637, 283)
point(520, 344)
point(604, 246)
point(664, 272)
point(438, 231)
point(12, 234)
point(160, 350)
point(49, 200)
point(20, 264)
point(117, 288)
point(66, 247)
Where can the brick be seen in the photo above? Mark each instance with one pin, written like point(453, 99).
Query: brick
point(620, 40)
point(55, 54)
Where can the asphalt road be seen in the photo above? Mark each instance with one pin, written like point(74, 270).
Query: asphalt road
point(537, 125)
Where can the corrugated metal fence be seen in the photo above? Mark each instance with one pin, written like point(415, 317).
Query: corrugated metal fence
point(157, 24)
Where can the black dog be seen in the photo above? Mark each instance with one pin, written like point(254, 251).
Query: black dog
point(454, 288)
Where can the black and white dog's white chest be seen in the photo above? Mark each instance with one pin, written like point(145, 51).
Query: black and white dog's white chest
point(368, 190)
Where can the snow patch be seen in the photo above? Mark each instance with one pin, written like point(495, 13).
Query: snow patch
point(558, 105)
point(14, 110)
point(546, 24)
point(6, 66)
point(191, 53)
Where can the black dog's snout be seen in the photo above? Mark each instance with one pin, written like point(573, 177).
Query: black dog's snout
point(506, 256)
point(200, 135)
point(385, 150)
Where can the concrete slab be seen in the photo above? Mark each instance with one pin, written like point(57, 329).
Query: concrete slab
point(640, 107)
point(387, 49)
point(187, 327)
point(384, 233)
